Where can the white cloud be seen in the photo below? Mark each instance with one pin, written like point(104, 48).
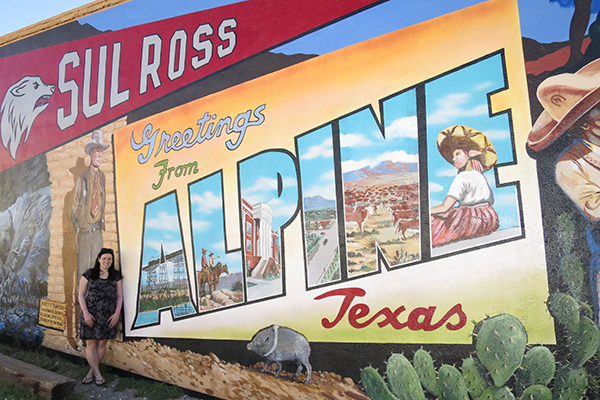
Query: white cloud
point(169, 247)
point(266, 184)
point(483, 86)
point(327, 177)
point(402, 127)
point(451, 107)
point(445, 172)
point(325, 191)
point(199, 225)
point(323, 150)
point(324, 188)
point(282, 208)
point(207, 202)
point(262, 184)
point(435, 187)
point(394, 156)
point(496, 134)
point(163, 221)
point(354, 140)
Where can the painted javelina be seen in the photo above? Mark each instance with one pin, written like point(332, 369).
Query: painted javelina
point(278, 343)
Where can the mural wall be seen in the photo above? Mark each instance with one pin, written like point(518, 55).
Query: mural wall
point(313, 184)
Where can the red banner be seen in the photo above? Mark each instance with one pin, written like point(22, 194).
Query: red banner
point(57, 93)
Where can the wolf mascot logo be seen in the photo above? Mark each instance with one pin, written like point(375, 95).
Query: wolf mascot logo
point(22, 103)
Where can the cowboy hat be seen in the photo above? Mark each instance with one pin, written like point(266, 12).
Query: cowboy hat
point(96, 141)
point(566, 98)
point(463, 137)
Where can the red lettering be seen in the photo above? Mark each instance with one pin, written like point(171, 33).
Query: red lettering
point(414, 322)
point(391, 318)
point(420, 318)
point(462, 318)
point(359, 311)
point(349, 295)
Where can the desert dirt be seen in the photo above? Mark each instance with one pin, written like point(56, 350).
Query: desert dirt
point(209, 375)
point(379, 227)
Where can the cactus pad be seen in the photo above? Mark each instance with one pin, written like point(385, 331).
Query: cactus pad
point(374, 385)
point(500, 346)
point(584, 343)
point(565, 231)
point(537, 368)
point(423, 364)
point(536, 392)
point(403, 379)
point(494, 393)
point(572, 272)
point(475, 377)
point(565, 310)
point(571, 383)
point(586, 310)
point(451, 385)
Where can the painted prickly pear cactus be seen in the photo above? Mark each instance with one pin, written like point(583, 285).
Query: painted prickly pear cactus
point(451, 384)
point(423, 364)
point(374, 385)
point(475, 376)
point(570, 266)
point(571, 382)
point(500, 346)
point(565, 310)
point(500, 370)
point(403, 379)
point(538, 368)
point(536, 392)
point(497, 393)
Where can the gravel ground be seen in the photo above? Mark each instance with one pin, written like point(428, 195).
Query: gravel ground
point(107, 392)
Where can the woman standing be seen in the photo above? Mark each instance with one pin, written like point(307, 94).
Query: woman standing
point(471, 153)
point(101, 298)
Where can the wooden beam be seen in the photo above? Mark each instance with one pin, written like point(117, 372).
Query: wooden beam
point(46, 384)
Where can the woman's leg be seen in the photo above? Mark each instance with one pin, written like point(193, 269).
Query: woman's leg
point(91, 354)
point(101, 350)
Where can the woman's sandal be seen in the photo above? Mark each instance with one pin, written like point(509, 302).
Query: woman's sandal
point(100, 382)
point(87, 380)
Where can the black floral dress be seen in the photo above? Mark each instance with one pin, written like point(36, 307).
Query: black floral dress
point(101, 301)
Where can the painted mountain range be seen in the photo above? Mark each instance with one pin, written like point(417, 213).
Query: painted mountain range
point(317, 202)
point(384, 168)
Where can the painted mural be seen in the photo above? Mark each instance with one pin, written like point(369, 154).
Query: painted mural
point(295, 191)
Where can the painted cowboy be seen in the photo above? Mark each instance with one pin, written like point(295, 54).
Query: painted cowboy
point(211, 261)
point(571, 103)
point(87, 211)
point(203, 260)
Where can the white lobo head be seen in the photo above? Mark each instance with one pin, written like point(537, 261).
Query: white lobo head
point(22, 103)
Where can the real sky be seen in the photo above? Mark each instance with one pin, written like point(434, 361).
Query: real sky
point(541, 20)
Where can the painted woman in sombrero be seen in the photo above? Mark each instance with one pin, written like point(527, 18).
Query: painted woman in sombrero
point(467, 210)
point(571, 104)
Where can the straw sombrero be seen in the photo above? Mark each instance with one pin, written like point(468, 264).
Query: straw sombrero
point(566, 98)
point(463, 137)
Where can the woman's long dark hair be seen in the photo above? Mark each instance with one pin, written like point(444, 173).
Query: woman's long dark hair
point(112, 272)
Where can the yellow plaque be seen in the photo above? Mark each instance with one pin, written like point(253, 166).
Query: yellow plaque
point(52, 314)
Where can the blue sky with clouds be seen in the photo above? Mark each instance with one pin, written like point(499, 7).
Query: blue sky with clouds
point(259, 184)
point(206, 199)
point(460, 98)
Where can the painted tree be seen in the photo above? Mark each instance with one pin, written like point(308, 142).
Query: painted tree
point(579, 23)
